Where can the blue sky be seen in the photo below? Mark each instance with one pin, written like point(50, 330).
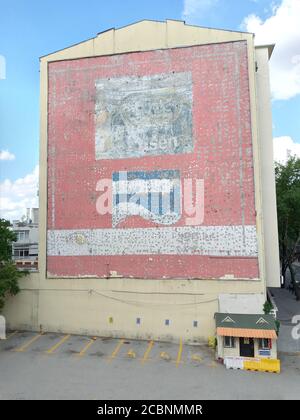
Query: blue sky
point(31, 28)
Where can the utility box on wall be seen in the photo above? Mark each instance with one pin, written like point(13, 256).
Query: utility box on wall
point(150, 165)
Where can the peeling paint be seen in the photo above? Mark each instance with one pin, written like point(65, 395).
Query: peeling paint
point(143, 116)
point(196, 240)
point(183, 109)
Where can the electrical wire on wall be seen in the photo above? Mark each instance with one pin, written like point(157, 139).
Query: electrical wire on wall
point(135, 302)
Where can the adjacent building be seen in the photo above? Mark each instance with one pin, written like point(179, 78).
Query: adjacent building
point(25, 249)
point(157, 192)
point(247, 341)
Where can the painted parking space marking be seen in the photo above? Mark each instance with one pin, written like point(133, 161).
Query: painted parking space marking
point(25, 346)
point(57, 345)
point(165, 356)
point(86, 347)
point(116, 350)
point(109, 349)
point(196, 358)
point(147, 352)
point(179, 354)
point(198, 354)
point(164, 351)
point(11, 335)
point(15, 340)
point(131, 354)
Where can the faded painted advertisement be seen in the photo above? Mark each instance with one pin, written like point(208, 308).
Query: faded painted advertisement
point(143, 116)
point(196, 240)
point(152, 195)
point(150, 165)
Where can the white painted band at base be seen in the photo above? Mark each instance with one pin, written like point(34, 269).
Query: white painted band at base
point(238, 241)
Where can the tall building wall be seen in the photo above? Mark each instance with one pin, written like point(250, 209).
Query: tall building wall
point(108, 256)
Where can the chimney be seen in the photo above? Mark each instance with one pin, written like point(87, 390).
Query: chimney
point(27, 215)
point(35, 215)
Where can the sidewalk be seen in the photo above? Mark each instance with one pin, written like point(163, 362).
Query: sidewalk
point(287, 308)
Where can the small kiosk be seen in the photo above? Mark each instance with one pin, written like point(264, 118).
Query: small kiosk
point(247, 341)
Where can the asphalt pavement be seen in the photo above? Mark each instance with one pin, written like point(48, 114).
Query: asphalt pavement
point(61, 366)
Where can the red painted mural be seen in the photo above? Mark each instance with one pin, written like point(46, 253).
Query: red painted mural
point(150, 165)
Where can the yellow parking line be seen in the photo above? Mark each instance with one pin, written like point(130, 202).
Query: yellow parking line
point(11, 335)
point(27, 344)
point(179, 353)
point(52, 349)
point(145, 357)
point(116, 350)
point(85, 348)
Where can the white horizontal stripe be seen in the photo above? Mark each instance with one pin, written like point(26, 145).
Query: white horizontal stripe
point(137, 186)
point(187, 240)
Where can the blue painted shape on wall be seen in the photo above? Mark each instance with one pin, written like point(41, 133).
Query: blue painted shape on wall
point(153, 195)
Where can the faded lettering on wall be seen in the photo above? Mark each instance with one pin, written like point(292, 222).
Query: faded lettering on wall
point(143, 116)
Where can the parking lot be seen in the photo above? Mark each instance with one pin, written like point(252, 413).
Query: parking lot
point(63, 366)
point(107, 349)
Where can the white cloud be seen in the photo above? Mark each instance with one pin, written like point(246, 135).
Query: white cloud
point(284, 147)
point(194, 9)
point(6, 155)
point(16, 196)
point(283, 29)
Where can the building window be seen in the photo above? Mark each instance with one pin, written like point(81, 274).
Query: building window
point(21, 253)
point(22, 235)
point(264, 344)
point(229, 342)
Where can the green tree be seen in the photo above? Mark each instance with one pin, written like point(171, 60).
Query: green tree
point(7, 236)
point(288, 210)
point(9, 274)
